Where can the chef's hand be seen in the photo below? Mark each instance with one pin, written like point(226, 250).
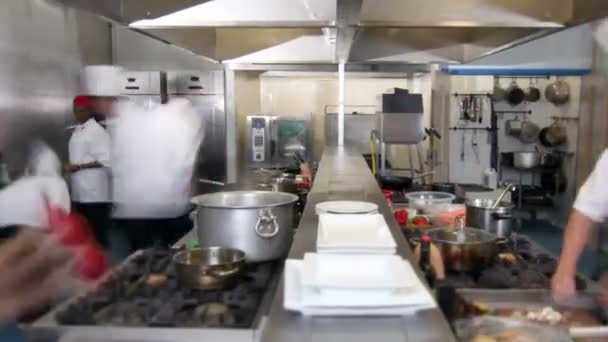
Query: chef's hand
point(563, 286)
point(33, 269)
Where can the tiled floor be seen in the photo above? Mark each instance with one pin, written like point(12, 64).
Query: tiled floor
point(551, 238)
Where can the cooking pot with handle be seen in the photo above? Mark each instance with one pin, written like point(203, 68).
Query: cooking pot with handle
point(498, 221)
point(259, 223)
point(464, 248)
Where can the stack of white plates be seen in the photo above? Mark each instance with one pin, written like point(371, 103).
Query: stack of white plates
point(346, 207)
point(354, 285)
point(354, 234)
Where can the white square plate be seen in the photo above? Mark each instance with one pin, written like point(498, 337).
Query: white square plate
point(354, 231)
point(357, 271)
point(294, 293)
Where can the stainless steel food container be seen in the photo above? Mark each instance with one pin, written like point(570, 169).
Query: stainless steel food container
point(498, 221)
point(526, 160)
point(260, 223)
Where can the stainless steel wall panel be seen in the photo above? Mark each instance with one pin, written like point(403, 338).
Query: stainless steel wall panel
point(40, 58)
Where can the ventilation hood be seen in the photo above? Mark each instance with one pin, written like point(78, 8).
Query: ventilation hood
point(352, 31)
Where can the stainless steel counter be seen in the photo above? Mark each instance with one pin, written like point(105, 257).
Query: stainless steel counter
point(344, 175)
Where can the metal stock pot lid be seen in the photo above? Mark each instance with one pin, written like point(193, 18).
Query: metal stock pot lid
point(244, 199)
point(471, 235)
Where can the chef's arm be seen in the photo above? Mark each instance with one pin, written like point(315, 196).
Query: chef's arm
point(576, 236)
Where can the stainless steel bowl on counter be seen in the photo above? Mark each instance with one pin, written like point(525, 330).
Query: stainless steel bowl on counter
point(210, 268)
point(260, 223)
point(481, 214)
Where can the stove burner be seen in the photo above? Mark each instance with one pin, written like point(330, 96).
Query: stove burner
point(519, 265)
point(145, 292)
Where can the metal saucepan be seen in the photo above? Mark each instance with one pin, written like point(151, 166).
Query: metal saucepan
point(210, 268)
point(498, 221)
point(529, 132)
point(558, 93)
point(515, 95)
point(526, 160)
point(532, 93)
point(476, 250)
point(513, 127)
point(553, 135)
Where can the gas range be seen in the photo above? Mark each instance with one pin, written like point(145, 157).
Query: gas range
point(521, 264)
point(143, 295)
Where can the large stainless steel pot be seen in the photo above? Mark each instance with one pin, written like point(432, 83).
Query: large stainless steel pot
point(526, 160)
point(473, 251)
point(498, 221)
point(260, 223)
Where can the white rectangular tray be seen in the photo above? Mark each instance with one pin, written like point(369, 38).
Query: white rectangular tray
point(293, 299)
point(354, 232)
point(387, 271)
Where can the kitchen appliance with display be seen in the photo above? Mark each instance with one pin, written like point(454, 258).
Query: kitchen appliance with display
point(272, 141)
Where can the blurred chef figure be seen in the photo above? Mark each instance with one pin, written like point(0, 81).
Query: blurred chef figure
point(153, 155)
point(89, 155)
point(102, 85)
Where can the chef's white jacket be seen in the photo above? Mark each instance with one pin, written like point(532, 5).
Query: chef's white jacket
point(90, 143)
point(153, 156)
point(26, 200)
point(592, 198)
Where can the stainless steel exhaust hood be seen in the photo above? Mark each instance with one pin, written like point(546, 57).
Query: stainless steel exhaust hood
point(361, 31)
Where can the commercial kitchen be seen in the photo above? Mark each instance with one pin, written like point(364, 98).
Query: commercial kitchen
point(449, 139)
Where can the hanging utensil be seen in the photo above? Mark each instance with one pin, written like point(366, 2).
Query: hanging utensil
point(529, 132)
point(553, 135)
point(498, 94)
point(475, 145)
point(513, 127)
point(558, 92)
point(532, 93)
point(480, 109)
point(515, 95)
point(462, 147)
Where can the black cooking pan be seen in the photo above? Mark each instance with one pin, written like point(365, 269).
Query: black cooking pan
point(444, 187)
point(389, 181)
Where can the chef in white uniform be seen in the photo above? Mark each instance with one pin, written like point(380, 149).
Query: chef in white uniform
point(153, 155)
point(89, 168)
point(590, 207)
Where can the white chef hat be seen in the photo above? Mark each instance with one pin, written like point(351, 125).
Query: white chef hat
point(101, 80)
